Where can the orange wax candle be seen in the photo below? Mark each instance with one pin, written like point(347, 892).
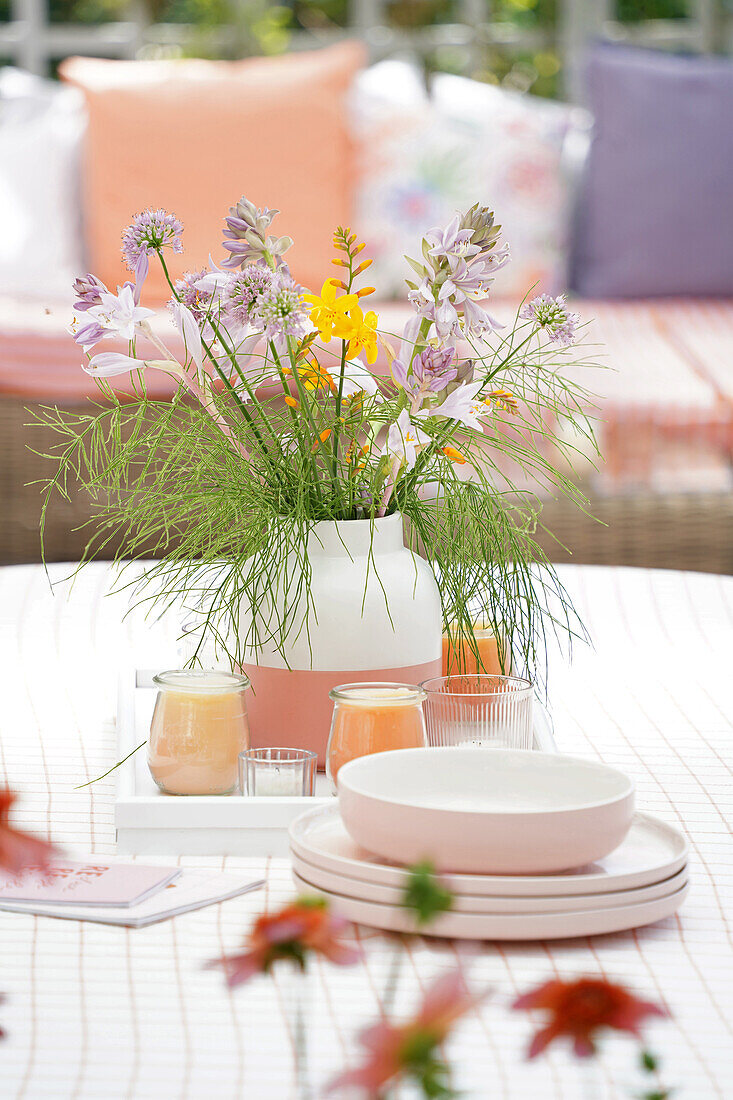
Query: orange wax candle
point(487, 645)
point(198, 730)
point(373, 718)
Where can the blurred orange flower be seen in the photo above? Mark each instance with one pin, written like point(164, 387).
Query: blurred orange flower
point(19, 850)
point(578, 1010)
point(303, 927)
point(395, 1051)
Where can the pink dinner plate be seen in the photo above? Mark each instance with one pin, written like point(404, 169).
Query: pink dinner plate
point(503, 812)
point(505, 926)
point(652, 851)
point(474, 903)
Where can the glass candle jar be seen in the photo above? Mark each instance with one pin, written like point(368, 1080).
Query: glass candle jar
point(459, 656)
point(373, 718)
point(475, 709)
point(278, 772)
point(198, 730)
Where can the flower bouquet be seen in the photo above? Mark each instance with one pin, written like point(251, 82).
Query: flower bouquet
point(296, 420)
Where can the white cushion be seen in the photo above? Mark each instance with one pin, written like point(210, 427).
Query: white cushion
point(422, 157)
point(41, 132)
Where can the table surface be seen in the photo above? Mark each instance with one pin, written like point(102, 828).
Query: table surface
point(96, 1012)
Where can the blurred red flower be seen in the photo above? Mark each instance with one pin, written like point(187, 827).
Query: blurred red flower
point(303, 927)
point(410, 1050)
point(578, 1010)
point(18, 850)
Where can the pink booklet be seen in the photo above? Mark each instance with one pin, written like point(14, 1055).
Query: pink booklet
point(87, 882)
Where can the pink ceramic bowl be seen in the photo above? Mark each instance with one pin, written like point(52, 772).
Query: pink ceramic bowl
point(484, 810)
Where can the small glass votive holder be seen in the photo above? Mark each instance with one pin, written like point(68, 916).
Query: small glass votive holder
point(278, 772)
point(474, 710)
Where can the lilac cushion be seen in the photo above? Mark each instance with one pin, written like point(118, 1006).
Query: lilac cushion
point(655, 215)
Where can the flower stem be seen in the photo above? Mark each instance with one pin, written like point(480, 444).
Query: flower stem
point(200, 392)
point(294, 419)
point(393, 980)
point(230, 388)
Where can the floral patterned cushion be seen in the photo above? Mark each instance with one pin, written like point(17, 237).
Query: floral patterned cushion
point(423, 156)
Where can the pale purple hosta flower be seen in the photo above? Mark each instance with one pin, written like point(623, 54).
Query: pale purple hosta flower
point(451, 241)
point(106, 364)
point(410, 337)
point(357, 379)
point(432, 370)
point(280, 310)
point(89, 334)
point(442, 312)
point(404, 439)
point(434, 367)
point(553, 317)
point(476, 321)
point(464, 405)
point(479, 220)
point(149, 232)
point(194, 294)
point(247, 239)
point(87, 289)
point(458, 268)
point(242, 292)
point(119, 314)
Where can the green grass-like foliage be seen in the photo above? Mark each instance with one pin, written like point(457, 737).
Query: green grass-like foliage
point(226, 519)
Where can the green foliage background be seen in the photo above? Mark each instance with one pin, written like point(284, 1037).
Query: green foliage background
point(265, 27)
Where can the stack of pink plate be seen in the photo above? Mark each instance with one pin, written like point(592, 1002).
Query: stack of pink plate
point(642, 880)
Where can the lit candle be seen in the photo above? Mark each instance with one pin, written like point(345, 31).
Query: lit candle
point(198, 730)
point(459, 656)
point(371, 718)
point(274, 771)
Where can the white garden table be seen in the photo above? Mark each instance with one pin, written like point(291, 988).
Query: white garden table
point(96, 1012)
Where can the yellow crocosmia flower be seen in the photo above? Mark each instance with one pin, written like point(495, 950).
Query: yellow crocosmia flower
point(322, 437)
point(329, 312)
point(454, 455)
point(504, 401)
point(316, 377)
point(363, 334)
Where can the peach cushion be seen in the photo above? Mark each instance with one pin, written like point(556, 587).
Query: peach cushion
point(193, 136)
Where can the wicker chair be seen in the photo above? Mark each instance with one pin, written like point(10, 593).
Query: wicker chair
point(681, 531)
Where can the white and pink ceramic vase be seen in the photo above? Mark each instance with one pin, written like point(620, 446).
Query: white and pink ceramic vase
point(374, 615)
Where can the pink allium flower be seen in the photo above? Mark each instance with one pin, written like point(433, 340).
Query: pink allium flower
point(396, 1051)
point(303, 927)
point(553, 316)
point(280, 309)
point(19, 850)
point(196, 298)
point(581, 1008)
point(243, 292)
point(88, 289)
point(149, 232)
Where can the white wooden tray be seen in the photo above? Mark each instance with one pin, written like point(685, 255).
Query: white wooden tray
point(149, 822)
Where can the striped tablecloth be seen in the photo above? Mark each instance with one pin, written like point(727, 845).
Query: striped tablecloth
point(95, 1012)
